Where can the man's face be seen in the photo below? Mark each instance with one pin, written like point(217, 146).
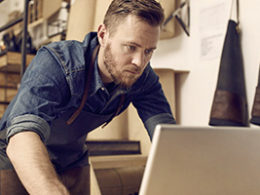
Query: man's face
point(128, 50)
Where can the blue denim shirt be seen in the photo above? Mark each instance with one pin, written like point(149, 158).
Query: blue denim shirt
point(52, 89)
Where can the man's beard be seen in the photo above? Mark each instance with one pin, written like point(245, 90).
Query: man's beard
point(118, 77)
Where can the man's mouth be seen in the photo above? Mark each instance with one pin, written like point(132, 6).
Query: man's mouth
point(132, 71)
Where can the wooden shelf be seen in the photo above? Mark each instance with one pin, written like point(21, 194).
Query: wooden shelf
point(4, 103)
point(35, 23)
point(11, 62)
point(7, 87)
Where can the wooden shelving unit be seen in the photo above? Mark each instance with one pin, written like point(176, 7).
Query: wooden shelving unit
point(10, 67)
point(11, 62)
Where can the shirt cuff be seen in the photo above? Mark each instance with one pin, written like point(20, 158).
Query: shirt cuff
point(29, 122)
point(163, 118)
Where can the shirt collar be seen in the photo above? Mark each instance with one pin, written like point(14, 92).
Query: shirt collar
point(96, 79)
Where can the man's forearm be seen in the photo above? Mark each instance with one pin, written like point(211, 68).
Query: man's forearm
point(32, 164)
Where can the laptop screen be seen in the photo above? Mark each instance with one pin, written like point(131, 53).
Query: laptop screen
point(203, 160)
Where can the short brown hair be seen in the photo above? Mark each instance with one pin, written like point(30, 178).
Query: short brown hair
point(149, 11)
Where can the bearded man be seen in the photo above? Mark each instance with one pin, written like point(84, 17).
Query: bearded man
point(71, 88)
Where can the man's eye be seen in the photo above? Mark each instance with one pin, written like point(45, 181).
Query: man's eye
point(148, 51)
point(131, 48)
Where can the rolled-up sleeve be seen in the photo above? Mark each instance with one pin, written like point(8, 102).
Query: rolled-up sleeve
point(164, 118)
point(29, 122)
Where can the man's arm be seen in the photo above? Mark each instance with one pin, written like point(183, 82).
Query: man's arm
point(151, 103)
point(30, 159)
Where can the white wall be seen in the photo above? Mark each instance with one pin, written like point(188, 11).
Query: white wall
point(183, 53)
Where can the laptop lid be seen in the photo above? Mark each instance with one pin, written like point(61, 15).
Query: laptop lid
point(203, 161)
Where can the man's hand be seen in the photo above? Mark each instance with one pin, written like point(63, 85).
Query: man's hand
point(31, 161)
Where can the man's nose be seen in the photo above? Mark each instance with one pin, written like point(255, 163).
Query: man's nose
point(138, 59)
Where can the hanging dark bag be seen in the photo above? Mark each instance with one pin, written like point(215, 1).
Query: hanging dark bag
point(229, 107)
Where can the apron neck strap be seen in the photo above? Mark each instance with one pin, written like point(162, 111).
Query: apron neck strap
point(87, 86)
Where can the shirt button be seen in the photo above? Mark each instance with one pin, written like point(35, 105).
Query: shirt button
point(102, 88)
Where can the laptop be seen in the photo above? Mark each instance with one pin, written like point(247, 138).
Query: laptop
point(203, 161)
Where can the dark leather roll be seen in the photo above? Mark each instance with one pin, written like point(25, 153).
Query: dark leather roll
point(229, 107)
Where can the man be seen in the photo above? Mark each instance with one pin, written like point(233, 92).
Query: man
point(69, 89)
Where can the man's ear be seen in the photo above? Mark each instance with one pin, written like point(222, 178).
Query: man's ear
point(102, 34)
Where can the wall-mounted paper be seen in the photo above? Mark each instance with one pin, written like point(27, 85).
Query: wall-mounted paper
point(212, 27)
